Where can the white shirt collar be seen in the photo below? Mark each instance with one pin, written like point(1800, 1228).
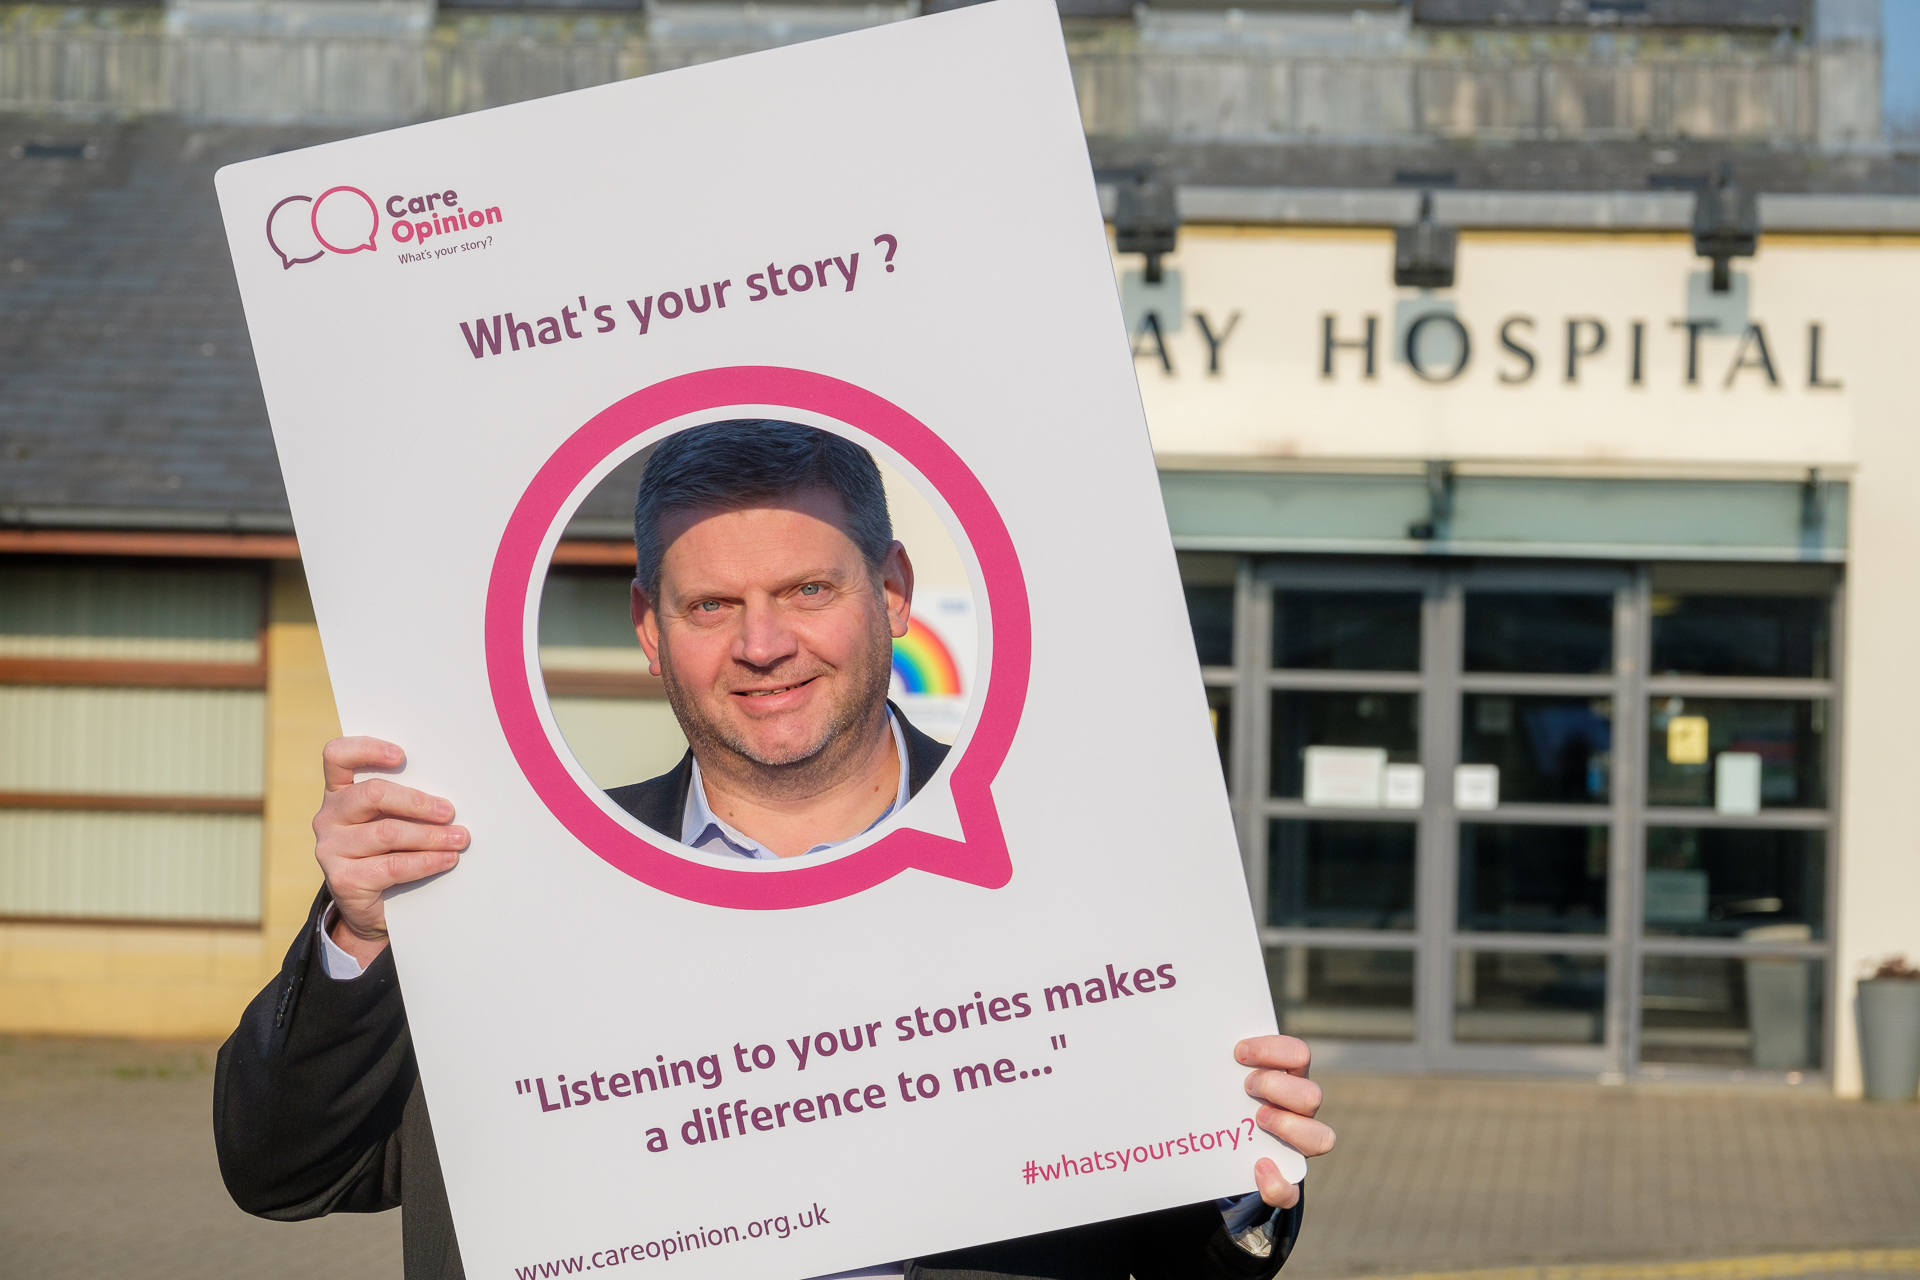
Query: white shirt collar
point(700, 828)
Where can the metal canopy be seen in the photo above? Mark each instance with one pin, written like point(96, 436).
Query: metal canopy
point(1604, 519)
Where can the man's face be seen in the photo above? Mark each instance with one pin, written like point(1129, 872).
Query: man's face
point(769, 632)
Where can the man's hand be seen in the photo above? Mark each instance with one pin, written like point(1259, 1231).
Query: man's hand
point(372, 835)
point(1279, 1081)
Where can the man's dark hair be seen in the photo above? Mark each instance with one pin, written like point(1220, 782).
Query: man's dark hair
point(744, 461)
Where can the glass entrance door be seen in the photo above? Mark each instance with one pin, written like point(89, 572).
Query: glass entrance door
point(1531, 816)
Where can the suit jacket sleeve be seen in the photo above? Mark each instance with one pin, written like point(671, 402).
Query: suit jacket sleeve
point(1186, 1243)
point(1177, 1244)
point(309, 1090)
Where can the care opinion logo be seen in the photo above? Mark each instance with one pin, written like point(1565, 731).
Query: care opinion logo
point(304, 228)
point(346, 220)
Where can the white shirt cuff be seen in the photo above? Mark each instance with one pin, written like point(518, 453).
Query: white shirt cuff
point(336, 962)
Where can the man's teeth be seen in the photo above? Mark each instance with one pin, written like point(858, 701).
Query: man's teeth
point(768, 693)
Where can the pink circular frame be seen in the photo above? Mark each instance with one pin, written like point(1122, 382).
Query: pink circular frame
point(980, 857)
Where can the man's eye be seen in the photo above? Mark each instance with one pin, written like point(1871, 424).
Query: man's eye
point(708, 606)
point(811, 589)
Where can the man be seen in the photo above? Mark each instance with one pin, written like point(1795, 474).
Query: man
point(767, 591)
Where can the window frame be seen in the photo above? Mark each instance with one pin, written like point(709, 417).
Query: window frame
point(120, 673)
point(1441, 685)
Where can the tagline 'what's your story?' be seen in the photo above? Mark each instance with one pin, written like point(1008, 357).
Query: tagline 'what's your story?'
point(506, 333)
point(747, 1115)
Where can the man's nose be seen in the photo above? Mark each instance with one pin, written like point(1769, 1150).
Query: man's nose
point(764, 639)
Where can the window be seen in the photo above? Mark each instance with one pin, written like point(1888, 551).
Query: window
point(1353, 875)
point(1761, 1012)
point(1342, 993)
point(1549, 749)
point(1741, 620)
point(612, 712)
point(132, 705)
point(1539, 631)
point(1303, 719)
point(1532, 878)
point(1347, 630)
point(1212, 610)
point(1782, 744)
point(1532, 816)
point(1724, 882)
point(1523, 997)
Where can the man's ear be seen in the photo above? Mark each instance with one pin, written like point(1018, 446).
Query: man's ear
point(646, 625)
point(896, 582)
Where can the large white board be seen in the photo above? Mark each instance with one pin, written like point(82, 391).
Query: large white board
point(1030, 980)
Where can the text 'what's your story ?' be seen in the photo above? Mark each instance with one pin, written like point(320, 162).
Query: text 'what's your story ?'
point(507, 332)
point(740, 1117)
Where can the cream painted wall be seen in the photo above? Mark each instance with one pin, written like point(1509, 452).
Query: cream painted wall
point(188, 982)
point(1271, 403)
point(1271, 400)
point(1879, 897)
point(937, 564)
point(300, 721)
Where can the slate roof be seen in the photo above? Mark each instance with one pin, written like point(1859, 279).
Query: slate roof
point(128, 395)
point(127, 387)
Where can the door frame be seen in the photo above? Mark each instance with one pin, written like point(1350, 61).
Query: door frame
point(1441, 685)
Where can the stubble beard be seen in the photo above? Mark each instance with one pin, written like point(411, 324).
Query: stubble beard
point(804, 770)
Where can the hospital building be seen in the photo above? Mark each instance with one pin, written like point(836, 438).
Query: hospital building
point(1533, 392)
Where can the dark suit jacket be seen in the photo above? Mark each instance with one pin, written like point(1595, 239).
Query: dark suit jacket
point(318, 1108)
point(659, 802)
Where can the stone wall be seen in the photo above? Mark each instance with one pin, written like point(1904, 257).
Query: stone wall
point(1367, 75)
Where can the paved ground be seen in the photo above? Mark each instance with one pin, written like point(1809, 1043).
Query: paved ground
point(107, 1170)
point(1441, 1174)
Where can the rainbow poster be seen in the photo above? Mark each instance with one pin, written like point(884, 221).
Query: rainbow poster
point(933, 663)
point(924, 664)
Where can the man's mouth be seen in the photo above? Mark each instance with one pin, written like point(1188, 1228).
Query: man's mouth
point(768, 693)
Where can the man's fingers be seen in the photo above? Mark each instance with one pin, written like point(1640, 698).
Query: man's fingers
point(379, 798)
point(373, 835)
point(1290, 1101)
point(1288, 1092)
point(391, 835)
point(1308, 1137)
point(1274, 1189)
point(343, 757)
point(381, 872)
point(1277, 1053)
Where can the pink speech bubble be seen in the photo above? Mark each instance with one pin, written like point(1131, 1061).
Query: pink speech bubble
point(980, 857)
point(345, 216)
point(290, 232)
